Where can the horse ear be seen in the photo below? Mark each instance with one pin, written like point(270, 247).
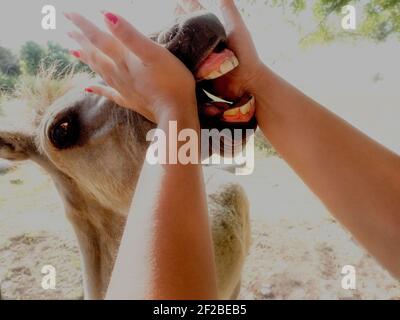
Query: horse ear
point(16, 145)
point(17, 141)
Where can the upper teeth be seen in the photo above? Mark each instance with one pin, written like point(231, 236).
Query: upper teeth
point(213, 75)
point(225, 67)
point(235, 62)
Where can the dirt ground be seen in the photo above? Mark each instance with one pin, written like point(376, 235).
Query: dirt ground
point(298, 249)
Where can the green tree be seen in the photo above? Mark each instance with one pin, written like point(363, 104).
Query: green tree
point(34, 57)
point(7, 83)
point(9, 64)
point(31, 57)
point(59, 57)
point(377, 20)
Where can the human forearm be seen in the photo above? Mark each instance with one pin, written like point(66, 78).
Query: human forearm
point(166, 252)
point(356, 178)
point(166, 249)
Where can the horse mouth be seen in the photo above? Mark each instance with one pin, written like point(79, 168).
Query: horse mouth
point(200, 42)
point(212, 109)
point(218, 62)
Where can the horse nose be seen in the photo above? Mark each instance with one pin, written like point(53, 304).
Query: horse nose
point(192, 37)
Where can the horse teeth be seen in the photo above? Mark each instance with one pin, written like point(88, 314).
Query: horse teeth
point(235, 62)
point(252, 102)
point(226, 67)
point(231, 112)
point(213, 75)
point(246, 108)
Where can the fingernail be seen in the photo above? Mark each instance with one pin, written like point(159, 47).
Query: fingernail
point(111, 17)
point(89, 90)
point(75, 53)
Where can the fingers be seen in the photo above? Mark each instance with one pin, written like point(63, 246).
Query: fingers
point(88, 52)
point(231, 15)
point(188, 6)
point(136, 42)
point(116, 97)
point(239, 36)
point(100, 39)
point(91, 56)
point(108, 93)
point(179, 10)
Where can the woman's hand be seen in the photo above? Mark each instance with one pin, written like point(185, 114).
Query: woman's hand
point(140, 74)
point(246, 77)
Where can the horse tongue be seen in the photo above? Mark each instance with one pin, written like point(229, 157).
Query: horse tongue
point(214, 109)
point(217, 64)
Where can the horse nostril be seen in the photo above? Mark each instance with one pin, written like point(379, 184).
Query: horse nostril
point(65, 133)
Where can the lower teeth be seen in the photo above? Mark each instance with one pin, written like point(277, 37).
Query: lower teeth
point(244, 110)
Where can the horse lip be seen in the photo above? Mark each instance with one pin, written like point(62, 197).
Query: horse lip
point(192, 37)
point(207, 54)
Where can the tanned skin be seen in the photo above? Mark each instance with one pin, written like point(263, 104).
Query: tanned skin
point(166, 250)
point(354, 176)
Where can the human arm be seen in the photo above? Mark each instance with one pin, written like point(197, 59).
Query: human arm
point(354, 176)
point(166, 250)
point(167, 242)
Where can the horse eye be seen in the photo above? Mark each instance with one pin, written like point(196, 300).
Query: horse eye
point(65, 133)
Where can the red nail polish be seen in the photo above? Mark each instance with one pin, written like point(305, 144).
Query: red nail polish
point(111, 17)
point(89, 90)
point(75, 53)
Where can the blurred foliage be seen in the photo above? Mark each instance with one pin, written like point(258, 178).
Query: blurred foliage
point(7, 83)
point(263, 145)
point(32, 59)
point(31, 56)
point(9, 63)
point(17, 182)
point(377, 20)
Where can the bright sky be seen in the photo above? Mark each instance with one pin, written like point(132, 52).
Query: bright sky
point(340, 75)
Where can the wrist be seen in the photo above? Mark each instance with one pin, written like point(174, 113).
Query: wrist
point(184, 115)
point(263, 76)
point(173, 124)
point(264, 87)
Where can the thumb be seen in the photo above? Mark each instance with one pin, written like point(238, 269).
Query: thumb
point(231, 15)
point(189, 6)
point(239, 35)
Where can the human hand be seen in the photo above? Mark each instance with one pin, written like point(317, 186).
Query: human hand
point(245, 78)
point(141, 75)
